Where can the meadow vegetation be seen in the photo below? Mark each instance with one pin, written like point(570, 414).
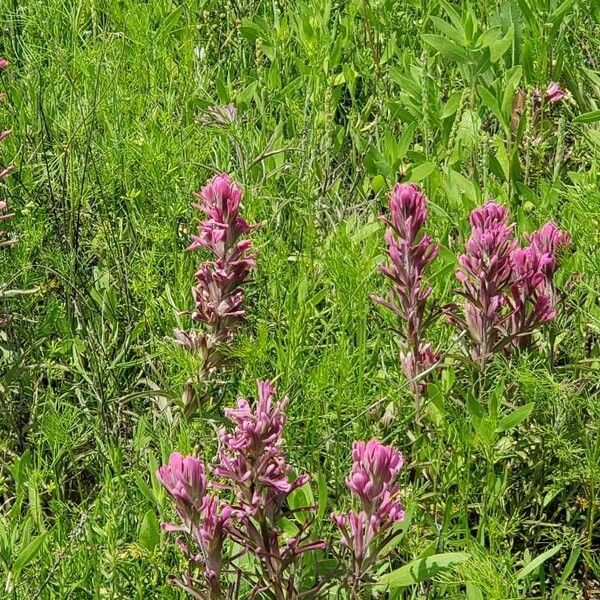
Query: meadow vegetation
point(121, 110)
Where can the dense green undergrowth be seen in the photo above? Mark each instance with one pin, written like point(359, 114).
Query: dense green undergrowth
point(336, 102)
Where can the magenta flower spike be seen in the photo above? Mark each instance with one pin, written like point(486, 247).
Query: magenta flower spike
point(184, 479)
point(531, 297)
point(252, 466)
point(410, 252)
point(508, 290)
point(373, 482)
point(375, 469)
point(251, 459)
point(218, 293)
point(549, 240)
point(485, 275)
point(203, 517)
point(554, 93)
point(211, 535)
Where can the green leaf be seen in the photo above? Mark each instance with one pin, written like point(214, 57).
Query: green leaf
point(422, 171)
point(499, 47)
point(301, 498)
point(490, 101)
point(149, 534)
point(473, 592)
point(448, 31)
point(515, 417)
point(537, 561)
point(169, 23)
point(404, 141)
point(421, 569)
point(502, 156)
point(446, 47)
point(28, 553)
point(588, 117)
point(251, 31)
point(377, 183)
point(451, 105)
point(509, 92)
point(561, 12)
point(473, 407)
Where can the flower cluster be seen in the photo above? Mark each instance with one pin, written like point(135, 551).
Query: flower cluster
point(373, 482)
point(252, 470)
point(410, 252)
point(203, 517)
point(218, 293)
point(485, 273)
point(508, 290)
point(220, 115)
point(554, 93)
point(250, 458)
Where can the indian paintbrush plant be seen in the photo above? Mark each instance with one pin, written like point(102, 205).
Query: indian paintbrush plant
point(366, 532)
point(508, 289)
point(218, 293)
point(236, 526)
point(410, 252)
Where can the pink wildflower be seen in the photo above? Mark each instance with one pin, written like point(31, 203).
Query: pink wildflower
point(251, 459)
point(373, 482)
point(203, 517)
point(218, 293)
point(485, 274)
point(410, 253)
point(549, 240)
point(554, 93)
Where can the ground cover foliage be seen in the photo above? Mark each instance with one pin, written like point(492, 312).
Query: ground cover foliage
point(113, 129)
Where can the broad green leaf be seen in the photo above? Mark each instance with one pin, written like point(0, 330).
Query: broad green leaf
point(447, 30)
point(422, 171)
point(251, 31)
point(451, 105)
point(28, 553)
point(446, 47)
point(499, 47)
point(490, 101)
point(493, 34)
point(421, 569)
point(301, 498)
point(473, 407)
point(509, 92)
point(377, 183)
point(149, 535)
point(515, 417)
point(537, 561)
point(588, 117)
point(473, 592)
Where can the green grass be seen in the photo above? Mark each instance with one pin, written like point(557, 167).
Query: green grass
point(337, 102)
